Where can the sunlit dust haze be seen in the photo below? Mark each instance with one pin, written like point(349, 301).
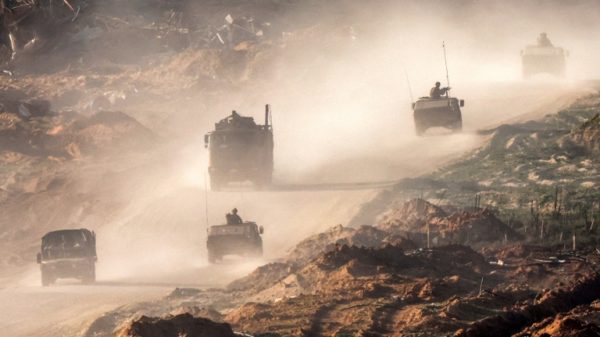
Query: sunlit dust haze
point(340, 77)
point(340, 93)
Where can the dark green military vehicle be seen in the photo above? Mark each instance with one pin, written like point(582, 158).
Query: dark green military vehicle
point(437, 112)
point(235, 239)
point(543, 60)
point(68, 253)
point(240, 151)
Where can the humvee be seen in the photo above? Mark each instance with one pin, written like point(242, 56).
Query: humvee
point(543, 60)
point(68, 253)
point(241, 239)
point(437, 112)
point(240, 150)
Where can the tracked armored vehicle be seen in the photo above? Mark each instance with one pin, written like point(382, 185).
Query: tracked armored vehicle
point(543, 58)
point(240, 150)
point(437, 112)
point(234, 239)
point(69, 253)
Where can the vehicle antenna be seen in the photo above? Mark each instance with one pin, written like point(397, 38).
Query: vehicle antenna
point(409, 86)
point(446, 64)
point(206, 201)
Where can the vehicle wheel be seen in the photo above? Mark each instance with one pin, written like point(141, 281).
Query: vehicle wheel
point(212, 257)
point(258, 252)
point(47, 278)
point(457, 127)
point(419, 131)
point(90, 276)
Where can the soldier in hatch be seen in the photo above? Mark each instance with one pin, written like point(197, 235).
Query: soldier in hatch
point(437, 92)
point(233, 218)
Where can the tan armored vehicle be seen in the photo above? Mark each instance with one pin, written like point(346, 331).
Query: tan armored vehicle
point(234, 239)
point(437, 112)
point(240, 150)
point(543, 58)
point(69, 253)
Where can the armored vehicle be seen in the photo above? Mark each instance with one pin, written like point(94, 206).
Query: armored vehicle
point(437, 112)
point(69, 253)
point(240, 150)
point(236, 239)
point(543, 58)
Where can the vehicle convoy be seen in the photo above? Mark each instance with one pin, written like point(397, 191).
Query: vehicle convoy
point(237, 237)
point(68, 253)
point(240, 150)
point(543, 58)
point(432, 112)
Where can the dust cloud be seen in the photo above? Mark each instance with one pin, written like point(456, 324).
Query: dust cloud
point(341, 88)
point(341, 94)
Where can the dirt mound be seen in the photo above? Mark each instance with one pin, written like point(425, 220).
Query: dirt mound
point(386, 256)
point(177, 326)
point(108, 130)
point(472, 227)
point(522, 251)
point(583, 321)
point(261, 278)
point(350, 267)
point(418, 219)
point(31, 129)
point(549, 304)
point(364, 236)
point(412, 213)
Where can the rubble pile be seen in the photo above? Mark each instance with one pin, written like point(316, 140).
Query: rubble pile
point(176, 326)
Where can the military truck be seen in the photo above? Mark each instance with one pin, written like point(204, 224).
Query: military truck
point(437, 112)
point(240, 150)
point(543, 58)
point(234, 239)
point(68, 253)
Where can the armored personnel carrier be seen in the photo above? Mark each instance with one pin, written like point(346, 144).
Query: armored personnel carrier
point(68, 253)
point(240, 150)
point(234, 239)
point(543, 58)
point(437, 112)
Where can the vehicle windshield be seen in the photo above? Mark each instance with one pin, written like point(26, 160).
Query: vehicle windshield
point(65, 240)
point(433, 104)
point(234, 138)
point(230, 230)
point(543, 51)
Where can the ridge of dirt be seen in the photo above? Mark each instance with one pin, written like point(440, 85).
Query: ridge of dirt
point(550, 303)
point(583, 321)
point(176, 326)
point(417, 219)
